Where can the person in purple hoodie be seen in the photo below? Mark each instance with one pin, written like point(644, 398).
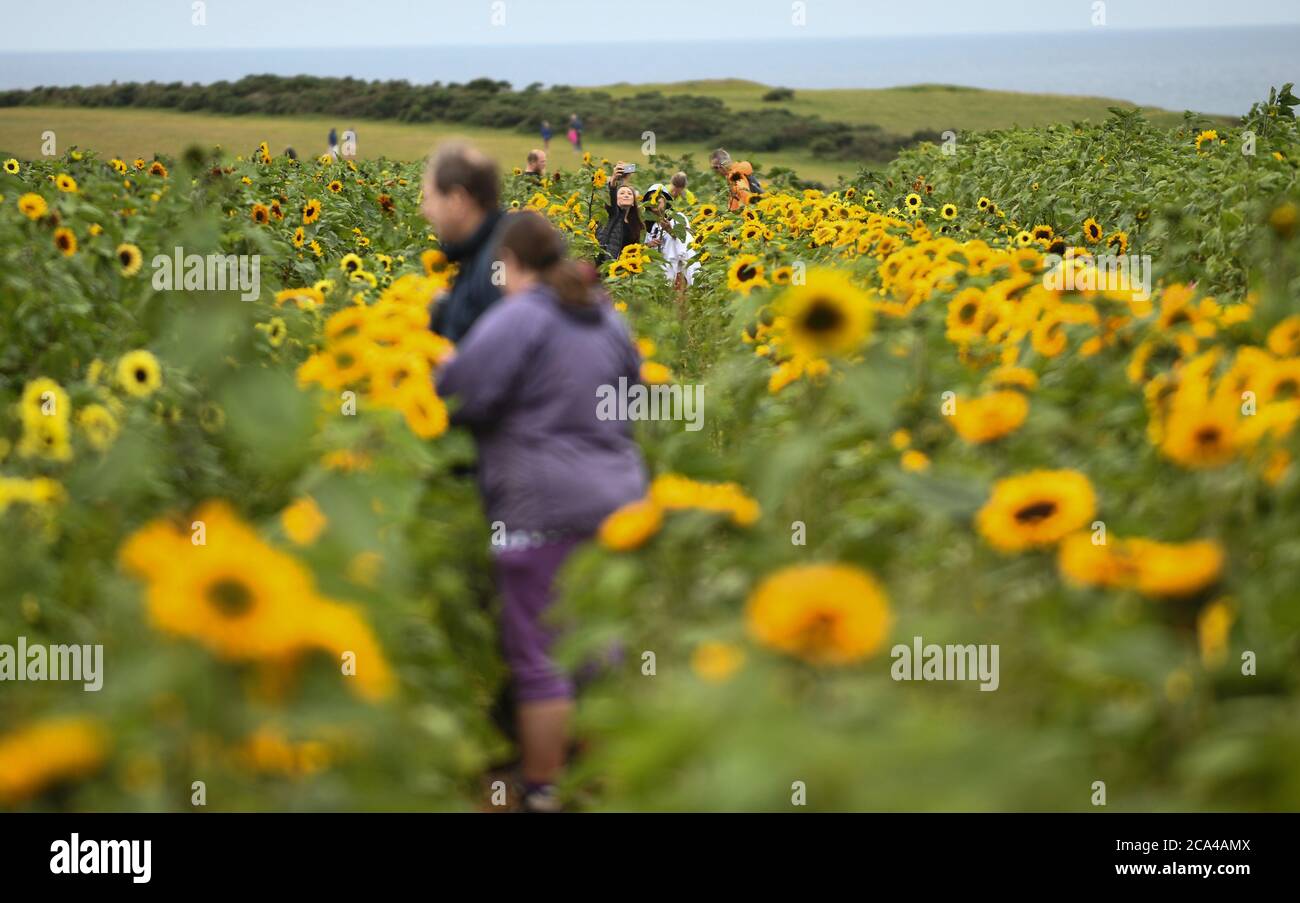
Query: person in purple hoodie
point(525, 381)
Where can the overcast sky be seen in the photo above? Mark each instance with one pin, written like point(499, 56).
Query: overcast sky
point(167, 24)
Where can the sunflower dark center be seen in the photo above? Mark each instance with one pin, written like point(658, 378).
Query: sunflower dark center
point(746, 273)
point(818, 630)
point(141, 375)
point(1208, 435)
point(1036, 513)
point(231, 597)
point(823, 316)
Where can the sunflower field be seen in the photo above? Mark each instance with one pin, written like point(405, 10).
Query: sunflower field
point(258, 509)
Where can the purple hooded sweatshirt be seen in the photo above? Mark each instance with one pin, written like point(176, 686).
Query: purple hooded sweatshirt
point(524, 380)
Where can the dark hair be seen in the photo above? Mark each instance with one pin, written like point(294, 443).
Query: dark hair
point(458, 165)
point(632, 217)
point(539, 246)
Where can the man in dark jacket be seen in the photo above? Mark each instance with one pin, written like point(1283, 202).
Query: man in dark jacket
point(462, 201)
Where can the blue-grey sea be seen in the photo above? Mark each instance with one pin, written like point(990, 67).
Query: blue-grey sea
point(1207, 70)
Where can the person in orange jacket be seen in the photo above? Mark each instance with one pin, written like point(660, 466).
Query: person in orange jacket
point(737, 174)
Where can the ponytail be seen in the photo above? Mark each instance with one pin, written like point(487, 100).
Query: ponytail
point(571, 281)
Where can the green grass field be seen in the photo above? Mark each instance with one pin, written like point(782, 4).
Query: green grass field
point(130, 133)
point(904, 110)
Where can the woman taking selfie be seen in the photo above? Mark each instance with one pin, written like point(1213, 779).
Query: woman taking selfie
point(524, 380)
point(624, 226)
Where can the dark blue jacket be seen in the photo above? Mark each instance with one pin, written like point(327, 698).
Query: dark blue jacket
point(473, 292)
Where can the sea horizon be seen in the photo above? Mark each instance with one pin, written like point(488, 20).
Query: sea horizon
point(1149, 67)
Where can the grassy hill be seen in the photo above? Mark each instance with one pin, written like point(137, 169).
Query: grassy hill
point(142, 132)
point(907, 109)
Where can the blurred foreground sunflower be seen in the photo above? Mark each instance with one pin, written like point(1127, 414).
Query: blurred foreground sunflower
point(825, 614)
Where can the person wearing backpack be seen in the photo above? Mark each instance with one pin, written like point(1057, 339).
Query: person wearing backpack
point(741, 181)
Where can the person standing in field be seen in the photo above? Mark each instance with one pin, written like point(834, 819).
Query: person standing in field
point(525, 382)
point(679, 192)
point(536, 169)
point(741, 184)
point(333, 144)
point(461, 198)
point(546, 134)
point(670, 232)
point(575, 132)
point(624, 226)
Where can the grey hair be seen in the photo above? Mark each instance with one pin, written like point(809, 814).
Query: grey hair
point(720, 158)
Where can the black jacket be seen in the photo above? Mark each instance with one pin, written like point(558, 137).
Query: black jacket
point(473, 292)
point(616, 234)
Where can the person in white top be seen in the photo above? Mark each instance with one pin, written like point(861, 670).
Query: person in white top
point(671, 233)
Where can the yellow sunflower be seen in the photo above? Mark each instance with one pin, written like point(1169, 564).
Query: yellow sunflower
point(66, 183)
point(716, 662)
point(1038, 508)
point(745, 274)
point(232, 592)
point(275, 330)
point(47, 438)
point(303, 521)
point(1201, 436)
point(99, 426)
point(129, 259)
point(630, 526)
point(47, 752)
point(989, 417)
point(32, 205)
point(139, 373)
point(1284, 338)
point(310, 212)
point(1172, 570)
point(826, 315)
point(826, 614)
point(1092, 231)
point(65, 240)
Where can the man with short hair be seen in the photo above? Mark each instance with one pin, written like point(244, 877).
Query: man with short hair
point(536, 169)
point(737, 175)
point(462, 201)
